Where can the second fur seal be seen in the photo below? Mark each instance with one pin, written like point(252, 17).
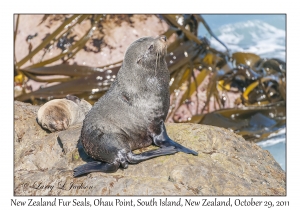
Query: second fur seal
point(131, 114)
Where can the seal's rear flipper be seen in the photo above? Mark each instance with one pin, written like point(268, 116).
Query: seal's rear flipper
point(163, 140)
point(133, 158)
point(169, 142)
point(94, 167)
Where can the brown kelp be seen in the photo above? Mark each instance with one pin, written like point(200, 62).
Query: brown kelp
point(259, 82)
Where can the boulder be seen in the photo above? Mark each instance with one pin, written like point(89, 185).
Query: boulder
point(226, 164)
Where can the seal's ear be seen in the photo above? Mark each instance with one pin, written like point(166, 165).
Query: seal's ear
point(151, 47)
point(139, 59)
point(73, 98)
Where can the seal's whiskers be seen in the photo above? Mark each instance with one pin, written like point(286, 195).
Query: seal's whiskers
point(155, 64)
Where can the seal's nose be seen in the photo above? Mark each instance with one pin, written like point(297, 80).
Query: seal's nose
point(164, 38)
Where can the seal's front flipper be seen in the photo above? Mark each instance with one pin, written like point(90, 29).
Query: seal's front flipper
point(133, 158)
point(94, 167)
point(163, 140)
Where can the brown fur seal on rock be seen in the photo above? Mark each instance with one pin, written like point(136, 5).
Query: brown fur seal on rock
point(59, 114)
point(131, 114)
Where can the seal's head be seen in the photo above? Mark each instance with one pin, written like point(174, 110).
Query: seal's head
point(59, 114)
point(55, 115)
point(146, 52)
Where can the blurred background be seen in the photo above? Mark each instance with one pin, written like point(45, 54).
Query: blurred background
point(226, 70)
point(264, 35)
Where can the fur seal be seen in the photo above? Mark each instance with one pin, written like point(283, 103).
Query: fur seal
point(132, 112)
point(59, 114)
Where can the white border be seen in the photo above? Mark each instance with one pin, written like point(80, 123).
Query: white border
point(152, 7)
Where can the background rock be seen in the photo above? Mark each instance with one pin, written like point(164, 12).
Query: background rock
point(117, 33)
point(226, 165)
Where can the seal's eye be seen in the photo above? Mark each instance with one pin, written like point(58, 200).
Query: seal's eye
point(151, 47)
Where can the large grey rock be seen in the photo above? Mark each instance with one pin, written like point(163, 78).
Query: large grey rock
point(226, 165)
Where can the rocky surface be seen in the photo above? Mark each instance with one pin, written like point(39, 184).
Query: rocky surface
point(226, 165)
